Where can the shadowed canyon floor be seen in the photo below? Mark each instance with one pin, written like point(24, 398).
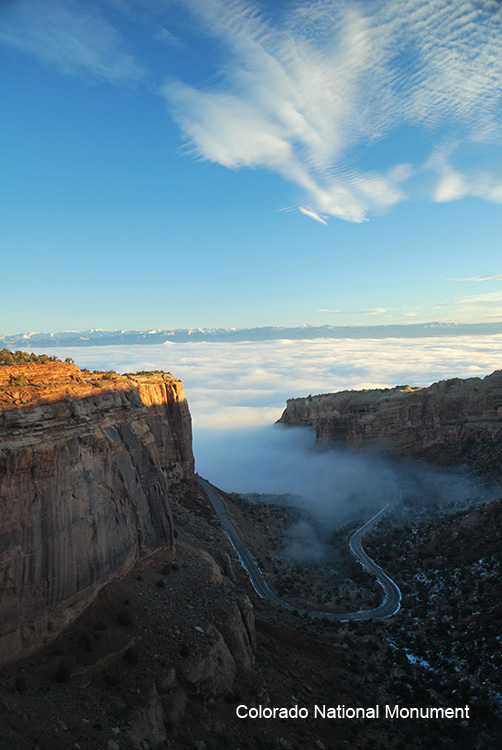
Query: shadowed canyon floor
point(128, 671)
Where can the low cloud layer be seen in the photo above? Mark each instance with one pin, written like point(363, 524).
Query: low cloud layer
point(231, 386)
point(237, 391)
point(331, 486)
point(275, 459)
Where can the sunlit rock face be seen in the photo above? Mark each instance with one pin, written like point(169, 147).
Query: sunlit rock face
point(450, 422)
point(87, 465)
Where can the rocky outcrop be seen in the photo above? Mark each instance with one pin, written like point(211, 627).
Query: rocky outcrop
point(217, 637)
point(450, 422)
point(87, 466)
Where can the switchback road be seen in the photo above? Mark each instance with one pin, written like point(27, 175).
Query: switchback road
point(392, 595)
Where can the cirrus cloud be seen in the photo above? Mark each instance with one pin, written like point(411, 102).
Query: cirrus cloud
point(302, 94)
point(76, 39)
point(494, 277)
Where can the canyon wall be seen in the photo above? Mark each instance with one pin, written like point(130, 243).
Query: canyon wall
point(87, 466)
point(451, 422)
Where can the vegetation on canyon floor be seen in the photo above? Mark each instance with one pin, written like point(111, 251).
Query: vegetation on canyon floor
point(441, 649)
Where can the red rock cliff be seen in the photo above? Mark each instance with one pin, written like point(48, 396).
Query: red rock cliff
point(450, 422)
point(87, 465)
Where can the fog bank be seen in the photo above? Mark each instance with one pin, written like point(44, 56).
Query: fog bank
point(235, 385)
point(236, 391)
point(334, 486)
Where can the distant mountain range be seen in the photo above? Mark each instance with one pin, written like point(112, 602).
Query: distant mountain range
point(99, 337)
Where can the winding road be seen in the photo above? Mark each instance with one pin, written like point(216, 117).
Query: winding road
point(392, 595)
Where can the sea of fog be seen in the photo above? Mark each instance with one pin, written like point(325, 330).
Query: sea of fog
point(237, 391)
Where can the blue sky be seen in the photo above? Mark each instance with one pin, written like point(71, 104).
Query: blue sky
point(174, 163)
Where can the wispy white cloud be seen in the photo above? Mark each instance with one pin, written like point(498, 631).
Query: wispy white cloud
point(369, 311)
point(304, 92)
point(71, 36)
point(378, 310)
point(301, 95)
point(164, 35)
point(487, 306)
point(494, 277)
point(454, 184)
point(479, 301)
point(313, 215)
point(450, 187)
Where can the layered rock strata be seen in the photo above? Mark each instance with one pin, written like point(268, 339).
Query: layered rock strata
point(87, 465)
point(450, 422)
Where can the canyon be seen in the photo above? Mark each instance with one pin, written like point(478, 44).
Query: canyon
point(126, 620)
point(97, 500)
point(452, 422)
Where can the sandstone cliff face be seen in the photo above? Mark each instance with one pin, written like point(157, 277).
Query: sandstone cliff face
point(450, 422)
point(86, 469)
